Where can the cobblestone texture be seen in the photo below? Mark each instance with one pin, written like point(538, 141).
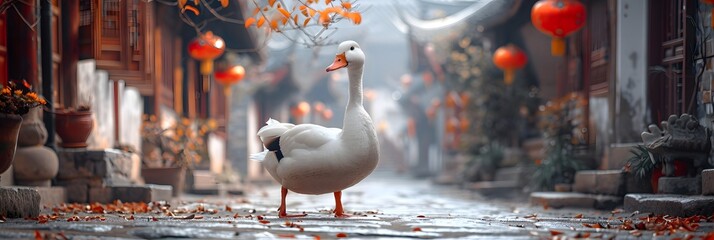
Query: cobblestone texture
point(382, 207)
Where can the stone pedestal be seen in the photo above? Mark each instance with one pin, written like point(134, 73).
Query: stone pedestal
point(83, 170)
point(19, 202)
point(708, 182)
point(679, 185)
point(608, 182)
point(130, 193)
point(574, 200)
point(51, 196)
point(670, 204)
point(35, 164)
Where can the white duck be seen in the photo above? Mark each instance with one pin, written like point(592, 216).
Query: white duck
point(312, 159)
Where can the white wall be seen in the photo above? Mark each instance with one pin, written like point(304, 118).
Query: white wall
point(631, 73)
point(94, 90)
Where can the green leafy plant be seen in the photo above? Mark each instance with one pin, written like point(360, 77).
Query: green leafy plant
point(641, 162)
point(560, 126)
point(482, 166)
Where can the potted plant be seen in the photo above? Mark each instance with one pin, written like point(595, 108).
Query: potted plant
point(74, 125)
point(16, 99)
point(564, 155)
point(647, 167)
point(167, 153)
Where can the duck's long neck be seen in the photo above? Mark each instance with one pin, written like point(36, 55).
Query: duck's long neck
point(355, 76)
point(355, 115)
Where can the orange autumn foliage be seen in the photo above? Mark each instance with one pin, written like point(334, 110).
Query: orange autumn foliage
point(302, 12)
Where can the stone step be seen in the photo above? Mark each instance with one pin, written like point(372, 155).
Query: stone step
point(446, 179)
point(519, 174)
point(608, 182)
point(534, 148)
point(51, 196)
point(670, 204)
point(575, 200)
point(19, 202)
point(708, 182)
point(130, 193)
point(494, 188)
point(110, 165)
point(203, 179)
point(679, 185)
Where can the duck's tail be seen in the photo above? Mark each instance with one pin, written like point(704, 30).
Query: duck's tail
point(268, 134)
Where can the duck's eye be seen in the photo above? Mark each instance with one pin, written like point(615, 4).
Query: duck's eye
point(352, 48)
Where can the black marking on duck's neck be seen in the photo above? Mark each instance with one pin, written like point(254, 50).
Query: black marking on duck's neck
point(274, 146)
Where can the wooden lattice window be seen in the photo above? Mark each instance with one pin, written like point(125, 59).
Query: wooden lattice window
point(134, 27)
point(599, 46)
point(111, 18)
point(86, 10)
point(670, 83)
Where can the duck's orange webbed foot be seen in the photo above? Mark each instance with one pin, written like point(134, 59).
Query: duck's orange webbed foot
point(282, 212)
point(339, 211)
point(341, 214)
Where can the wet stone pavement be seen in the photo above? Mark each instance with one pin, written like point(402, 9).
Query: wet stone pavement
point(382, 206)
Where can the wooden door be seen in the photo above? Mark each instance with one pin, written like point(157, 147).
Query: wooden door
point(670, 82)
point(3, 50)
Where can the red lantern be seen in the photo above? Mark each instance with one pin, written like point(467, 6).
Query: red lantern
point(327, 114)
point(301, 109)
point(319, 107)
point(558, 18)
point(509, 58)
point(230, 76)
point(205, 48)
point(712, 13)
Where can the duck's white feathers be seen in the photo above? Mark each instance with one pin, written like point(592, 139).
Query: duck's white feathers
point(307, 136)
point(318, 160)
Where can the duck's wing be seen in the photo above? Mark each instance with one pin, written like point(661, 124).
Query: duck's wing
point(307, 137)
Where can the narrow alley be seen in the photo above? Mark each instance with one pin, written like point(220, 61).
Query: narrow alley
point(383, 206)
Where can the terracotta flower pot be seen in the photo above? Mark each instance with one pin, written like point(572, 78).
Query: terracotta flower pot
point(173, 176)
point(74, 128)
point(9, 130)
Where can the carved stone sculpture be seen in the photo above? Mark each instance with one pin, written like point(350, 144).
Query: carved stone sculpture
point(680, 138)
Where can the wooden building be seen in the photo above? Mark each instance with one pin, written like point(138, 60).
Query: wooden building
point(140, 44)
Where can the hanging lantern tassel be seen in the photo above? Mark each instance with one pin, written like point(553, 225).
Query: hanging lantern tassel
point(557, 46)
point(206, 67)
point(227, 91)
point(508, 76)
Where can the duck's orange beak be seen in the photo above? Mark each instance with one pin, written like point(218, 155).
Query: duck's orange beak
point(340, 62)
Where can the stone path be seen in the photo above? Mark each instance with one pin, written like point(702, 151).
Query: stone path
point(383, 206)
